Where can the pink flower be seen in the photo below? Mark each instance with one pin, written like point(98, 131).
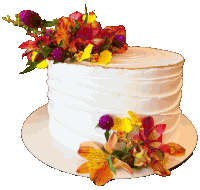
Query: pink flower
point(76, 15)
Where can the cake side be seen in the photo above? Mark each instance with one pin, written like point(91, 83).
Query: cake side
point(142, 58)
point(80, 95)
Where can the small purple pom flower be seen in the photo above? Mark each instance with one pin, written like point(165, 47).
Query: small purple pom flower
point(30, 18)
point(49, 31)
point(119, 40)
point(57, 54)
point(106, 122)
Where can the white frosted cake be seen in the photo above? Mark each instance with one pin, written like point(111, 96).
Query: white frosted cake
point(143, 80)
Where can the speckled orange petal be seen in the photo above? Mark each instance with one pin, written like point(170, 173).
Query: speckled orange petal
point(120, 164)
point(176, 149)
point(102, 175)
point(63, 30)
point(160, 146)
point(159, 168)
point(83, 169)
point(112, 141)
point(156, 132)
point(91, 153)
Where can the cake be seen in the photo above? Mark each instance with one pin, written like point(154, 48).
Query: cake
point(144, 80)
point(115, 106)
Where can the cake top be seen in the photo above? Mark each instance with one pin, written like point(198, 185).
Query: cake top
point(143, 57)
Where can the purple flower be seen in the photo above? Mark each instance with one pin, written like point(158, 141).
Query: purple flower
point(57, 54)
point(119, 40)
point(106, 122)
point(30, 18)
point(48, 30)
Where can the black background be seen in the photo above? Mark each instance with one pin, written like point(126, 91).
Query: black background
point(160, 25)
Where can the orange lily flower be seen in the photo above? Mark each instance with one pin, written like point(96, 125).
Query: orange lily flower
point(158, 165)
point(63, 30)
point(97, 166)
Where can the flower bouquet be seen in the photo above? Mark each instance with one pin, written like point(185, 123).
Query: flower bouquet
point(68, 39)
point(134, 143)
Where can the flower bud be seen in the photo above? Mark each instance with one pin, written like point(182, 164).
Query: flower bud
point(119, 41)
point(106, 122)
point(58, 53)
point(30, 18)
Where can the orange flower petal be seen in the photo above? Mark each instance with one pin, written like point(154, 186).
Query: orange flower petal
point(160, 146)
point(109, 146)
point(159, 168)
point(83, 169)
point(120, 164)
point(63, 30)
point(176, 149)
point(102, 175)
point(91, 153)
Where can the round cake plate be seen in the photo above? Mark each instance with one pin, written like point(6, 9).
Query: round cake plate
point(39, 142)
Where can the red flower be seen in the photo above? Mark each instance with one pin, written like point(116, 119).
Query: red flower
point(88, 32)
point(33, 45)
point(151, 137)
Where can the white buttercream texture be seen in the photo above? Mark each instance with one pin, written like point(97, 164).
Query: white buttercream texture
point(79, 95)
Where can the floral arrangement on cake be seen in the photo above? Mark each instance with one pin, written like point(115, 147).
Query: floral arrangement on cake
point(69, 39)
point(134, 143)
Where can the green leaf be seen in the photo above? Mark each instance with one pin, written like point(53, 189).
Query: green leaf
point(72, 60)
point(141, 142)
point(54, 62)
point(46, 51)
point(30, 68)
point(110, 164)
point(60, 44)
point(105, 47)
point(137, 127)
point(28, 62)
point(118, 153)
point(107, 135)
point(130, 147)
point(160, 153)
point(47, 23)
point(77, 27)
point(98, 125)
point(86, 18)
point(125, 156)
point(56, 22)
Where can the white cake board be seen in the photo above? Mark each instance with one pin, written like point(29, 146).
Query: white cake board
point(37, 139)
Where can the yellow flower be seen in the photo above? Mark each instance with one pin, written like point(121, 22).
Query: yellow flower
point(135, 120)
point(122, 125)
point(104, 58)
point(91, 17)
point(86, 54)
point(42, 65)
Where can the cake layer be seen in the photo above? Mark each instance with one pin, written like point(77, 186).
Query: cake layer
point(79, 95)
point(142, 58)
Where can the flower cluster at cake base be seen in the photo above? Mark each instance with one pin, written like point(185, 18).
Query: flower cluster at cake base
point(132, 142)
point(69, 39)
